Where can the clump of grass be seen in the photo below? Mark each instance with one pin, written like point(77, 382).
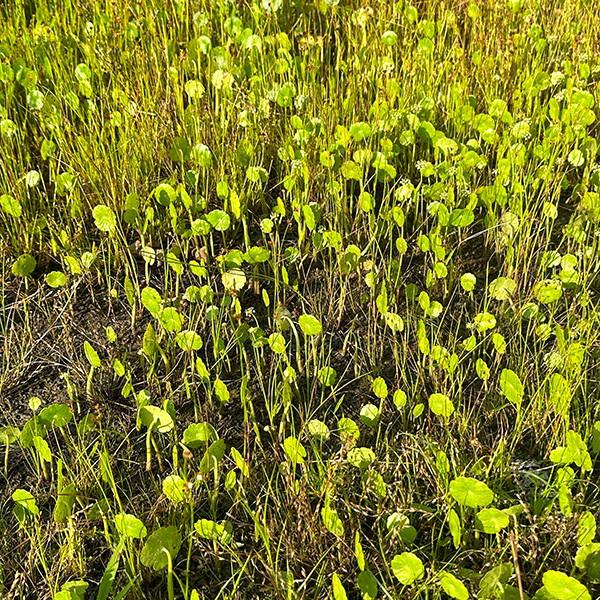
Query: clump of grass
point(299, 299)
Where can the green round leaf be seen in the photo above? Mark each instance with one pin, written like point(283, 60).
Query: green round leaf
point(152, 300)
point(562, 587)
point(316, 429)
point(32, 178)
point(502, 288)
point(389, 38)
point(173, 488)
point(367, 584)
point(310, 325)
point(219, 219)
point(294, 450)
point(24, 266)
point(360, 131)
point(104, 218)
point(495, 578)
point(91, 355)
point(547, 291)
point(586, 530)
point(327, 376)
point(491, 520)
point(213, 455)
point(170, 319)
point(130, 526)
point(588, 559)
point(339, 593)
point(285, 95)
point(56, 415)
point(331, 520)
point(159, 543)
point(156, 418)
point(56, 279)
point(257, 254)
point(11, 205)
point(211, 530)
point(468, 281)
point(189, 341)
point(201, 155)
point(83, 72)
point(511, 386)
point(26, 501)
point(194, 88)
point(9, 435)
point(453, 586)
point(369, 415)
point(164, 194)
point(361, 457)
point(35, 99)
point(576, 157)
point(233, 280)
point(484, 321)
point(441, 405)
point(221, 390)
point(380, 388)
point(75, 589)
point(277, 343)
point(41, 445)
point(408, 568)
point(471, 492)
point(461, 217)
point(399, 398)
point(348, 429)
point(197, 434)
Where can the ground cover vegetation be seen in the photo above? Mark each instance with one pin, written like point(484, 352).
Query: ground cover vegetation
point(299, 299)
